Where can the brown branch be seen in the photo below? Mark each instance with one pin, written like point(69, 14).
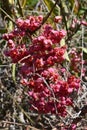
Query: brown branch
point(19, 124)
point(7, 15)
point(63, 14)
point(46, 17)
point(83, 110)
point(12, 97)
point(82, 113)
point(75, 31)
point(44, 20)
point(20, 8)
point(6, 6)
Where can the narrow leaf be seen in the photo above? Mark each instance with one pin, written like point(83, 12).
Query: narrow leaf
point(23, 3)
point(49, 4)
point(75, 6)
point(13, 72)
point(84, 49)
point(11, 2)
point(31, 3)
point(62, 42)
point(3, 30)
point(66, 56)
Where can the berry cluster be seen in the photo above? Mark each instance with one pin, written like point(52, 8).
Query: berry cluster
point(30, 24)
point(76, 61)
point(49, 92)
point(77, 22)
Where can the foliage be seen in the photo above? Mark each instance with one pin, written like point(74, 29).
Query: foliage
point(31, 4)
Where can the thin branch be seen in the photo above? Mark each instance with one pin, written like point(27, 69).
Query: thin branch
point(63, 14)
point(20, 8)
point(7, 15)
point(44, 20)
point(82, 51)
point(53, 94)
point(74, 32)
point(12, 97)
point(19, 124)
point(46, 17)
point(83, 112)
point(54, 98)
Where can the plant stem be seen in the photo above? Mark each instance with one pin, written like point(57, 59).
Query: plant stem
point(20, 8)
point(7, 15)
point(46, 17)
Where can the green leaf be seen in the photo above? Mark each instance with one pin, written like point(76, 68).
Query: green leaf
point(3, 30)
point(75, 6)
point(11, 1)
point(10, 25)
point(65, 7)
point(13, 72)
point(66, 56)
point(62, 42)
point(84, 49)
point(23, 3)
point(50, 4)
point(31, 3)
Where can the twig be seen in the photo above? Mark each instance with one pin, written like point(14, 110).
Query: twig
point(83, 96)
point(54, 98)
point(7, 15)
point(75, 31)
point(46, 17)
point(44, 20)
point(63, 14)
point(53, 94)
point(19, 124)
point(11, 96)
point(82, 113)
point(82, 51)
point(24, 58)
point(49, 121)
point(20, 8)
point(4, 66)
